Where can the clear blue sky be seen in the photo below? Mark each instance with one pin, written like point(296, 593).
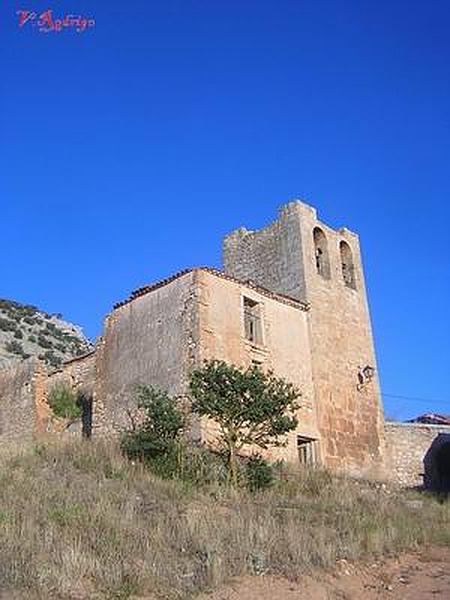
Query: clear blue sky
point(129, 150)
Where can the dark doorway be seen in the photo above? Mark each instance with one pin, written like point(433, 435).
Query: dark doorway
point(86, 415)
point(437, 464)
point(443, 467)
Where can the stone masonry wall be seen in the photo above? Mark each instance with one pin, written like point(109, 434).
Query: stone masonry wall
point(269, 257)
point(78, 373)
point(282, 257)
point(22, 402)
point(408, 446)
point(350, 417)
point(149, 340)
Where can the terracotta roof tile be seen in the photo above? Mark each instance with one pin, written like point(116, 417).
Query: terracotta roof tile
point(257, 288)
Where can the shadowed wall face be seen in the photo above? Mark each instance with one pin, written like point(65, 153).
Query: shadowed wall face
point(440, 465)
point(151, 340)
point(437, 464)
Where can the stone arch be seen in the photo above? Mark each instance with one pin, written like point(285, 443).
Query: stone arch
point(437, 464)
point(347, 265)
point(321, 253)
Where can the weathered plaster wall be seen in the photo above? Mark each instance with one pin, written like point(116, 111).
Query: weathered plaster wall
point(149, 340)
point(23, 411)
point(350, 421)
point(285, 347)
point(409, 451)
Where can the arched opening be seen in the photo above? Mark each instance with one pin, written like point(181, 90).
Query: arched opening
point(347, 266)
point(321, 253)
point(437, 464)
point(442, 468)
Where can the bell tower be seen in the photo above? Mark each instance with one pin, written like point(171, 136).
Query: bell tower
point(299, 256)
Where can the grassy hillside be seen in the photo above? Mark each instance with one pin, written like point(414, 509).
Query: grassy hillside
point(77, 520)
point(27, 331)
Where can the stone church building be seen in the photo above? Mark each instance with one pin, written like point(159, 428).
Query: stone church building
point(291, 298)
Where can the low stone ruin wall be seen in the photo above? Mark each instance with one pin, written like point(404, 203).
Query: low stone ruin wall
point(412, 452)
point(78, 373)
point(23, 409)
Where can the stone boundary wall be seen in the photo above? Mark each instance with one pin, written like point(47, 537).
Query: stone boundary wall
point(22, 402)
point(78, 373)
point(408, 447)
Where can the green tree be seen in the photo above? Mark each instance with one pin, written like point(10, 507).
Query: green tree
point(158, 435)
point(250, 407)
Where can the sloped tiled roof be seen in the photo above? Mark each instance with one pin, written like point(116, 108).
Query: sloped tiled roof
point(257, 288)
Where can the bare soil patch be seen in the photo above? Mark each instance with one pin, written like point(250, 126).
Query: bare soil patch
point(420, 576)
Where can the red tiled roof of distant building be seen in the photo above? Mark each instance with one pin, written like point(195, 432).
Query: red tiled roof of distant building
point(432, 419)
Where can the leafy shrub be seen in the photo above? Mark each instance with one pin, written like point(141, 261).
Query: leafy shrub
point(18, 334)
point(32, 338)
point(18, 310)
point(65, 402)
point(52, 329)
point(156, 437)
point(7, 325)
point(43, 342)
point(52, 359)
point(259, 474)
point(14, 347)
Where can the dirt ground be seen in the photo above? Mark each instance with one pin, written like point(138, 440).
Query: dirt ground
point(421, 576)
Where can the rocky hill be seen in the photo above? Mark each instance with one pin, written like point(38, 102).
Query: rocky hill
point(27, 331)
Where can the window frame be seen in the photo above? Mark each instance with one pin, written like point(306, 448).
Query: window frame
point(253, 321)
point(308, 451)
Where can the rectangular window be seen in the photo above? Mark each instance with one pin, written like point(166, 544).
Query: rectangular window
point(307, 451)
point(252, 321)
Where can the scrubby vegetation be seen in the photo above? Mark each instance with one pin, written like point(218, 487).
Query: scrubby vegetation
point(40, 334)
point(152, 514)
point(65, 402)
point(251, 409)
point(81, 520)
point(15, 347)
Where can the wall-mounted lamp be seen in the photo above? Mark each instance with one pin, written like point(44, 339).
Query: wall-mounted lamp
point(365, 376)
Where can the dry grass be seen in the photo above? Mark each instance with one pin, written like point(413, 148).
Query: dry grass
point(77, 520)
